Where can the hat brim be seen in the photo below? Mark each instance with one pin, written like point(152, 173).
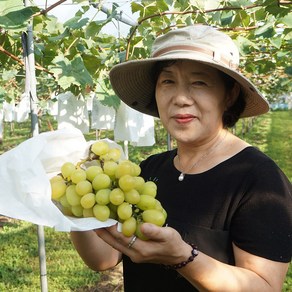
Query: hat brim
point(133, 82)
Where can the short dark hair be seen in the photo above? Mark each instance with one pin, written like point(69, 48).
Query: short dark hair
point(230, 116)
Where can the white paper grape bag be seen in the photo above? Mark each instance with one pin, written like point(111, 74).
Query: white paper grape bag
point(24, 178)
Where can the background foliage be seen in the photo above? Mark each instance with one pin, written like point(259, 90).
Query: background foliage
point(76, 56)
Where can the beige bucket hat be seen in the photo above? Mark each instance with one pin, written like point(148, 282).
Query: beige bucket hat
point(133, 80)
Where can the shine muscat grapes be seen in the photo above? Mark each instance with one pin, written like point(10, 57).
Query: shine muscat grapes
point(104, 186)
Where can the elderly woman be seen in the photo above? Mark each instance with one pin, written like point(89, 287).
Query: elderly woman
point(229, 206)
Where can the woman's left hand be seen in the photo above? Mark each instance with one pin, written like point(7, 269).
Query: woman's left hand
point(164, 244)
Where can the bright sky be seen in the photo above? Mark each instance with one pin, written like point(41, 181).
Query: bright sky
point(67, 10)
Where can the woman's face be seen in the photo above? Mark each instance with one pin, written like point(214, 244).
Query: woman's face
point(191, 98)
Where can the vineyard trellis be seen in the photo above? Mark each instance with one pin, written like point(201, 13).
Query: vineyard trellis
point(76, 55)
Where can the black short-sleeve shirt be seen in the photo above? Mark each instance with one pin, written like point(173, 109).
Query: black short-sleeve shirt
point(245, 200)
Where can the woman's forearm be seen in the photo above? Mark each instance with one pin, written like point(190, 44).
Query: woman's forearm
point(96, 253)
point(249, 277)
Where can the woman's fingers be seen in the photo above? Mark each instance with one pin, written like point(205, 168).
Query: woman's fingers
point(116, 239)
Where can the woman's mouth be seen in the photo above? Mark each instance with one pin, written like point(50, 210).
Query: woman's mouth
point(184, 118)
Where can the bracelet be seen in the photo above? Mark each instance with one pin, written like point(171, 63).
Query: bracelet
point(195, 252)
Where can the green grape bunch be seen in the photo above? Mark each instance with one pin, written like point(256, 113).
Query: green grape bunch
point(104, 186)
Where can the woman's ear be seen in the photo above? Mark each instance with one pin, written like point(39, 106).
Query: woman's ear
point(232, 95)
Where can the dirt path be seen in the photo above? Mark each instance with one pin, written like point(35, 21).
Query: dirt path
point(110, 281)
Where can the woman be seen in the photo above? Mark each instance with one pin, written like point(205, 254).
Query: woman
point(229, 206)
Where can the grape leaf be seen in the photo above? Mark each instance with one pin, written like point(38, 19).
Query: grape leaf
point(17, 20)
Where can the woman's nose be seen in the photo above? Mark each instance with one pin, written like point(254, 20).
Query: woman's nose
point(182, 95)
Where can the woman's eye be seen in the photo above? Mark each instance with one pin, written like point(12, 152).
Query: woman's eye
point(166, 81)
point(199, 83)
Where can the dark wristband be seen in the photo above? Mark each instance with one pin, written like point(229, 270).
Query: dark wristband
point(195, 252)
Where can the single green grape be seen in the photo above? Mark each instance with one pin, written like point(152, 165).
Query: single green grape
point(123, 168)
point(114, 154)
point(67, 168)
point(72, 197)
point(109, 168)
point(88, 201)
point(92, 171)
point(153, 216)
point(149, 188)
point(139, 183)
point(117, 196)
point(58, 189)
point(102, 196)
point(101, 212)
point(56, 178)
point(132, 196)
point(137, 169)
point(100, 148)
point(78, 175)
point(146, 202)
point(129, 226)
point(83, 187)
point(77, 210)
point(126, 182)
point(124, 211)
point(101, 181)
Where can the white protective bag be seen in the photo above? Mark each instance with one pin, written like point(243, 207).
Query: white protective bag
point(24, 179)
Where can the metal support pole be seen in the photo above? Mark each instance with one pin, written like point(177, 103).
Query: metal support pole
point(30, 90)
point(31, 80)
point(42, 258)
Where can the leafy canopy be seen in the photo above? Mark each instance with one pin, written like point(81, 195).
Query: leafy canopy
point(76, 55)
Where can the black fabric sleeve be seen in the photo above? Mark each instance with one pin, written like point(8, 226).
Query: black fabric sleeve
point(262, 224)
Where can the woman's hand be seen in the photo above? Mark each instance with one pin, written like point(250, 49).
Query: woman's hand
point(164, 244)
